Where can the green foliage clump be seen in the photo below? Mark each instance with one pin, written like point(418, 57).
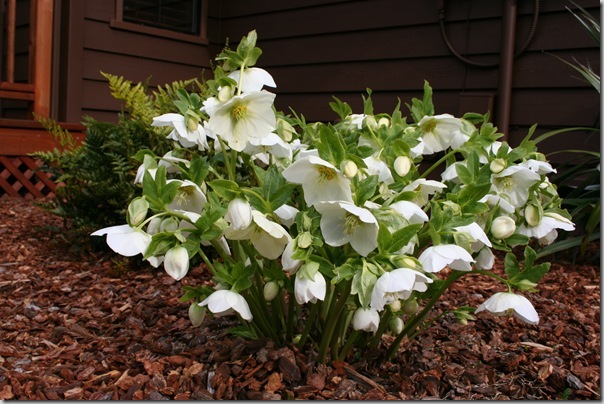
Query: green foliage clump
point(96, 178)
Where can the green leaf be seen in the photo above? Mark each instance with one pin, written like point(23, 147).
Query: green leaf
point(511, 265)
point(402, 237)
point(365, 189)
point(340, 108)
point(384, 238)
point(227, 189)
point(362, 283)
point(331, 146)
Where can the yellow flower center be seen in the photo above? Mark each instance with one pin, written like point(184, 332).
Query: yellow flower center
point(504, 183)
point(351, 222)
point(326, 173)
point(430, 126)
point(238, 112)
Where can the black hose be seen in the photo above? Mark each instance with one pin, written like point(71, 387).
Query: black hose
point(520, 51)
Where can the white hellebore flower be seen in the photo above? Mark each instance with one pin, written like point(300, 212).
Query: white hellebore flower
point(269, 238)
point(485, 259)
point(320, 180)
point(307, 290)
point(425, 188)
point(548, 224)
point(125, 240)
point(289, 264)
point(514, 183)
point(540, 167)
point(186, 133)
point(378, 167)
point(224, 302)
point(176, 262)
point(395, 285)
point(436, 258)
point(343, 222)
point(439, 132)
point(189, 197)
point(410, 211)
point(503, 303)
point(252, 79)
point(476, 232)
point(271, 144)
point(287, 214)
point(366, 319)
point(402, 165)
point(239, 214)
point(243, 117)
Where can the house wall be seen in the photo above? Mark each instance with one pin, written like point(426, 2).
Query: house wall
point(88, 44)
point(318, 48)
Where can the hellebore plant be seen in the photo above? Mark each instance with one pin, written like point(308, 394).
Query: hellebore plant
point(331, 234)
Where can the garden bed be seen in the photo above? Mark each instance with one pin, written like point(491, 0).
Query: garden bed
point(83, 327)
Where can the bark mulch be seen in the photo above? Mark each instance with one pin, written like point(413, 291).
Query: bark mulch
point(82, 327)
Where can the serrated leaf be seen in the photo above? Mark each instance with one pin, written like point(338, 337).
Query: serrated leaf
point(402, 237)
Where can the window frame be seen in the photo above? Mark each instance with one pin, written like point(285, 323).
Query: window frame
point(202, 38)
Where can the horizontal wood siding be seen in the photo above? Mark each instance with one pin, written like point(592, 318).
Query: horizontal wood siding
point(94, 46)
point(316, 49)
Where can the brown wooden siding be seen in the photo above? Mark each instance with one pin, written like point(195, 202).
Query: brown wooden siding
point(316, 49)
point(90, 45)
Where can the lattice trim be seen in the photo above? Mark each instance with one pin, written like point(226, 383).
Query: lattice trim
point(20, 177)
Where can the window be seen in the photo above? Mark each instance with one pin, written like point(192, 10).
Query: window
point(179, 19)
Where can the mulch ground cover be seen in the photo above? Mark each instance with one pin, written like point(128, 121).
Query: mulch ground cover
point(80, 326)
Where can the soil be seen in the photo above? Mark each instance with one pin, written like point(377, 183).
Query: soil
point(83, 326)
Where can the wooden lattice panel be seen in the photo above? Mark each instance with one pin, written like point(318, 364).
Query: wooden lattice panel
point(21, 178)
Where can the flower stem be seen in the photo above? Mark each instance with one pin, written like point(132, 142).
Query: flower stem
point(411, 325)
point(335, 310)
point(377, 337)
point(309, 324)
point(439, 162)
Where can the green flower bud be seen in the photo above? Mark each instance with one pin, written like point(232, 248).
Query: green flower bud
point(525, 284)
point(349, 168)
point(225, 93)
point(409, 130)
point(137, 211)
point(402, 165)
point(395, 306)
point(533, 214)
point(271, 290)
point(396, 325)
point(410, 307)
point(196, 314)
point(169, 224)
point(153, 226)
point(304, 240)
point(192, 123)
point(498, 165)
point(383, 121)
point(285, 130)
point(503, 227)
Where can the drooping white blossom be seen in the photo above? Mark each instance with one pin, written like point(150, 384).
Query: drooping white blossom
point(269, 238)
point(310, 290)
point(514, 184)
point(224, 302)
point(366, 319)
point(252, 79)
point(395, 285)
point(176, 262)
point(187, 133)
point(125, 240)
point(504, 303)
point(439, 132)
point(436, 258)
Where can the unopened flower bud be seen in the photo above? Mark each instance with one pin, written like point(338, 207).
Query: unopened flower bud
point(285, 130)
point(383, 121)
point(503, 227)
point(402, 165)
point(137, 211)
point(196, 314)
point(410, 307)
point(271, 290)
point(395, 306)
point(533, 214)
point(239, 214)
point(349, 168)
point(169, 224)
point(153, 226)
point(192, 123)
point(396, 325)
point(304, 240)
point(176, 262)
point(498, 165)
point(409, 130)
point(225, 93)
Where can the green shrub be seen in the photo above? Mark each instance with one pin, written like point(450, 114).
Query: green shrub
point(96, 179)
